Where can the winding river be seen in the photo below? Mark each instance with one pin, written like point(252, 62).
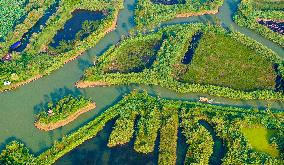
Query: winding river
point(18, 107)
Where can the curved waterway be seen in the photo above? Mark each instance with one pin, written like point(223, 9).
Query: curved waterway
point(18, 107)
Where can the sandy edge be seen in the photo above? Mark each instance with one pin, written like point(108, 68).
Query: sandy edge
point(86, 84)
point(69, 119)
point(13, 86)
point(192, 14)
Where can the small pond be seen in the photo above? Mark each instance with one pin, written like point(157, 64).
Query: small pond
point(276, 26)
point(81, 20)
point(191, 48)
point(38, 26)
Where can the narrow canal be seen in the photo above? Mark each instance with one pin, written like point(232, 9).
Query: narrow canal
point(18, 107)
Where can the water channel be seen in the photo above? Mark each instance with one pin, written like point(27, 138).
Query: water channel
point(18, 107)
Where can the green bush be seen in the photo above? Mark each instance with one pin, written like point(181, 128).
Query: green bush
point(62, 109)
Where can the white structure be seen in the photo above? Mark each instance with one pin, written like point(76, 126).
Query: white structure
point(6, 83)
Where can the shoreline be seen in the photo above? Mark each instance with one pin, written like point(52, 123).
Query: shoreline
point(63, 122)
point(194, 14)
point(75, 56)
point(274, 20)
point(14, 86)
point(86, 84)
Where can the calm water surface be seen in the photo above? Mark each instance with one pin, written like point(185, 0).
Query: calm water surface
point(18, 107)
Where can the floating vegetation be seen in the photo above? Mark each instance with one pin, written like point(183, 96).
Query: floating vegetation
point(258, 137)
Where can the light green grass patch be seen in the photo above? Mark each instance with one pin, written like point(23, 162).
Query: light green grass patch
point(222, 61)
point(259, 139)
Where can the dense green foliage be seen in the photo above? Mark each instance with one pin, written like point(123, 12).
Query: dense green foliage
point(149, 14)
point(199, 140)
point(134, 58)
point(16, 153)
point(35, 60)
point(247, 16)
point(220, 60)
point(62, 109)
point(88, 27)
point(226, 121)
point(148, 126)
point(123, 129)
point(11, 11)
point(34, 10)
point(167, 68)
point(168, 134)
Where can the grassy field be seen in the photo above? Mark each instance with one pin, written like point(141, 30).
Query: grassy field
point(259, 139)
point(220, 60)
point(134, 56)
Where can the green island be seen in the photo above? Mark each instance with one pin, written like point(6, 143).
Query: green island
point(149, 13)
point(264, 16)
point(228, 123)
point(63, 112)
point(224, 63)
point(167, 82)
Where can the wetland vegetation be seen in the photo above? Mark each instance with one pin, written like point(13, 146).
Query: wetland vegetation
point(139, 128)
point(227, 122)
point(150, 13)
point(250, 12)
point(242, 70)
point(62, 112)
point(36, 61)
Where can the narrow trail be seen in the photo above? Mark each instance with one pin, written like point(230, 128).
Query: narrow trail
point(18, 107)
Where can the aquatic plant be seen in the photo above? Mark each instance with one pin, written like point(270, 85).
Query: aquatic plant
point(248, 16)
point(62, 109)
point(10, 13)
point(149, 14)
point(35, 61)
point(227, 122)
point(255, 82)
